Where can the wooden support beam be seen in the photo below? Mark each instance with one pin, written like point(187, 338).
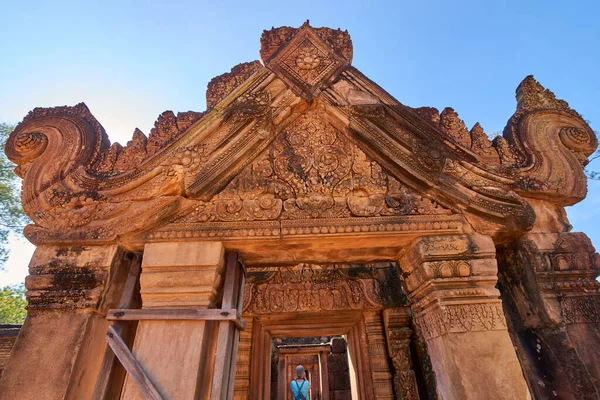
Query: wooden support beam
point(231, 315)
point(112, 374)
point(224, 370)
point(143, 383)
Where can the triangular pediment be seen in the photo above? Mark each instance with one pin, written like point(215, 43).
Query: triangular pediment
point(313, 179)
point(302, 144)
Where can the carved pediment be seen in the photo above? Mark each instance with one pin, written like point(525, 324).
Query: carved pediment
point(302, 145)
point(313, 179)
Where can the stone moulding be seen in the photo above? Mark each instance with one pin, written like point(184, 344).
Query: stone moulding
point(301, 145)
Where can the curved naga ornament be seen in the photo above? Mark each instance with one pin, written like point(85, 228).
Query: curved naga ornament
point(555, 143)
point(302, 144)
point(58, 152)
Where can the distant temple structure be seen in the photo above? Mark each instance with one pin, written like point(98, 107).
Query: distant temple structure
point(307, 216)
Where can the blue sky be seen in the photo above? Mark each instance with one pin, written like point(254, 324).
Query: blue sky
point(131, 60)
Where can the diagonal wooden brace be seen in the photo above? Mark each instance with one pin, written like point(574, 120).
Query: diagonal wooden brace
point(143, 383)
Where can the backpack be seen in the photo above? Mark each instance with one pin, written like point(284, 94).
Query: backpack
point(300, 395)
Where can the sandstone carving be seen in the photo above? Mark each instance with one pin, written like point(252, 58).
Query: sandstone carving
point(420, 161)
point(352, 214)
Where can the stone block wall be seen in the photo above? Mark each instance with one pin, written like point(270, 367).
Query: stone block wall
point(339, 370)
point(8, 336)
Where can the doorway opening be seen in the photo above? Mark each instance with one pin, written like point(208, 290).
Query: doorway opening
point(326, 362)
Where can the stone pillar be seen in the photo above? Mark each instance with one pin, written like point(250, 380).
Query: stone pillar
point(178, 355)
point(380, 368)
point(61, 345)
point(397, 321)
point(553, 304)
point(339, 371)
point(450, 281)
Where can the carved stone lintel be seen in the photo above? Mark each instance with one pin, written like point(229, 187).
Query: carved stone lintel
point(309, 287)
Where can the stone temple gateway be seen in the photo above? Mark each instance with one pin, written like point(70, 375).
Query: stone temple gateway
point(306, 202)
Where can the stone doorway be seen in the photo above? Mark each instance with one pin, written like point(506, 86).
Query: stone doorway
point(292, 302)
point(327, 365)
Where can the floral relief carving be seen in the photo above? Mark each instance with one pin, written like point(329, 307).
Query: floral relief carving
point(443, 319)
point(312, 171)
point(583, 309)
point(308, 287)
point(308, 62)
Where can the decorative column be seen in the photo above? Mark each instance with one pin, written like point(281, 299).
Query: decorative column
point(553, 304)
point(380, 368)
point(242, 371)
point(397, 321)
point(61, 345)
point(451, 283)
point(178, 355)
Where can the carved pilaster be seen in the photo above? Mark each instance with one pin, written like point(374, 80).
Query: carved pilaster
point(452, 285)
point(242, 370)
point(382, 376)
point(566, 274)
point(397, 321)
point(457, 309)
point(553, 301)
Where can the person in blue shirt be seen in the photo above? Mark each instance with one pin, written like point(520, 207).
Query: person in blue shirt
point(300, 386)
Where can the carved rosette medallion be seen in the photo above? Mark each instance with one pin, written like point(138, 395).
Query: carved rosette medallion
point(305, 62)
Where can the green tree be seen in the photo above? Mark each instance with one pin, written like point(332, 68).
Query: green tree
point(12, 217)
point(12, 304)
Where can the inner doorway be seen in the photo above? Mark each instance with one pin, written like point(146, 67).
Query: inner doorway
point(314, 301)
point(325, 360)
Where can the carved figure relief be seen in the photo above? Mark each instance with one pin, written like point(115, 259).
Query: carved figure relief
point(309, 287)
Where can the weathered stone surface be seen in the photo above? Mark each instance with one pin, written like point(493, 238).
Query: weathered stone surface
point(552, 301)
point(8, 337)
point(223, 85)
point(61, 344)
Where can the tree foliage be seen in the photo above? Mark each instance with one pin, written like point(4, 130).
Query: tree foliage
point(12, 304)
point(595, 175)
point(12, 217)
